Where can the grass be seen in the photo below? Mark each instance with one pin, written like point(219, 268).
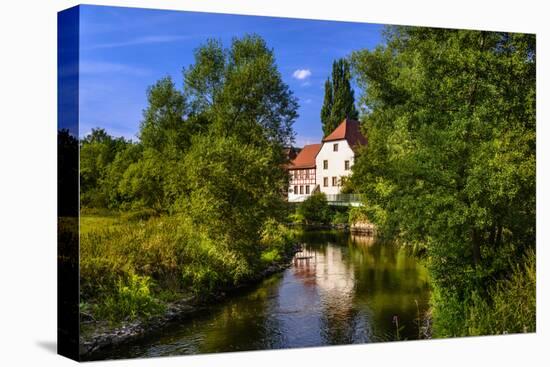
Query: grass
point(509, 306)
point(512, 306)
point(133, 264)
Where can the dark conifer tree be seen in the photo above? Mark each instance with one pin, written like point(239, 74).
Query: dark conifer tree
point(339, 100)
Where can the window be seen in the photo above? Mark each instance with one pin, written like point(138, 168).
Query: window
point(335, 147)
point(301, 190)
point(295, 190)
point(346, 165)
point(335, 181)
point(307, 189)
point(325, 164)
point(325, 181)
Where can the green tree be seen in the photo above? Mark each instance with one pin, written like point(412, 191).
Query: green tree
point(164, 123)
point(240, 91)
point(314, 210)
point(339, 100)
point(326, 109)
point(111, 183)
point(233, 191)
point(97, 151)
point(234, 171)
point(451, 155)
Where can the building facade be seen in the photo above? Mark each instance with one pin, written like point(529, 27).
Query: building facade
point(321, 167)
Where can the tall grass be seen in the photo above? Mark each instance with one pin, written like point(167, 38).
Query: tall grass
point(508, 307)
point(132, 265)
point(512, 305)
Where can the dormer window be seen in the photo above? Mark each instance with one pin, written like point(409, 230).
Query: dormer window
point(335, 147)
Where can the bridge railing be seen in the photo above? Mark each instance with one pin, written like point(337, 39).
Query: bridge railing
point(334, 199)
point(344, 199)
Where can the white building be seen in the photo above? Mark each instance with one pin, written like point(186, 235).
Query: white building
point(320, 167)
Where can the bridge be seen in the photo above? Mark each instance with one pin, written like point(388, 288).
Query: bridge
point(336, 199)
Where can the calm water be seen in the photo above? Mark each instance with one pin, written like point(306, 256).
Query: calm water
point(347, 290)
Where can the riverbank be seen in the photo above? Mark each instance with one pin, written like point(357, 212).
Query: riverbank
point(96, 336)
point(140, 272)
point(336, 291)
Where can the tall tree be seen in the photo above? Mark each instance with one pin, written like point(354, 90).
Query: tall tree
point(164, 124)
point(326, 110)
point(97, 151)
point(451, 156)
point(339, 101)
point(234, 170)
point(240, 91)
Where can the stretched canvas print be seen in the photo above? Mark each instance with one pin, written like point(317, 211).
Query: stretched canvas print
point(235, 183)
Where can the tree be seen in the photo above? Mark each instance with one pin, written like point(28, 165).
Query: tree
point(164, 124)
point(451, 155)
point(234, 189)
point(315, 209)
point(97, 151)
point(240, 91)
point(326, 109)
point(339, 100)
point(234, 171)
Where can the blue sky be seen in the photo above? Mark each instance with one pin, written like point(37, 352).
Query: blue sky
point(125, 50)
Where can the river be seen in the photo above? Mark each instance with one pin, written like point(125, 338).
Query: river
point(341, 289)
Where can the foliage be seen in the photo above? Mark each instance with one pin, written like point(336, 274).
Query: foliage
point(340, 217)
point(200, 195)
point(130, 268)
point(512, 303)
point(450, 116)
point(357, 214)
point(277, 236)
point(131, 299)
point(97, 151)
point(164, 125)
point(314, 210)
point(234, 188)
point(240, 91)
point(339, 100)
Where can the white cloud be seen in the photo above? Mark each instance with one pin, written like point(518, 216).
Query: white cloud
point(301, 74)
point(140, 41)
point(95, 67)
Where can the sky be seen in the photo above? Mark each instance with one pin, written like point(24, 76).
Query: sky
point(125, 50)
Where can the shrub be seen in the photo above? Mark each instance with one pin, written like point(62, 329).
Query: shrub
point(276, 241)
point(511, 307)
point(340, 217)
point(314, 209)
point(132, 299)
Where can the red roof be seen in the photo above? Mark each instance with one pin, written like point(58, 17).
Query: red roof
point(350, 130)
point(306, 157)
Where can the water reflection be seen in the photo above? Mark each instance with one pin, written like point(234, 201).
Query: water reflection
point(340, 289)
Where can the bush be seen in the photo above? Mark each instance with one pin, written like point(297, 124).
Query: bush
point(508, 307)
point(129, 268)
point(314, 210)
point(276, 240)
point(511, 307)
point(340, 217)
point(132, 299)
